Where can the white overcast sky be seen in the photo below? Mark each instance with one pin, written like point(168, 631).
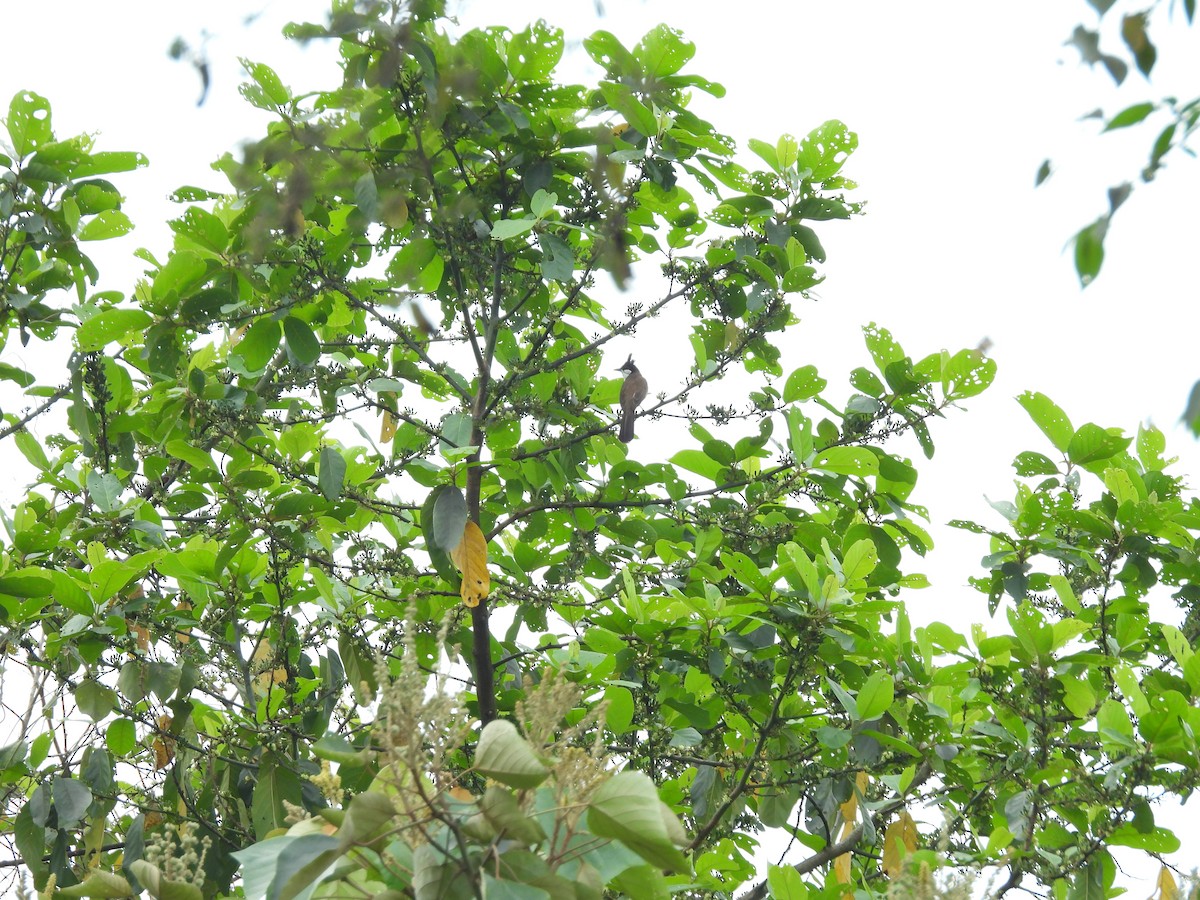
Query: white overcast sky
point(956, 105)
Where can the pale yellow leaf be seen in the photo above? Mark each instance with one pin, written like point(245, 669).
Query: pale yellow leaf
point(841, 869)
point(387, 430)
point(850, 807)
point(470, 556)
point(899, 841)
point(1167, 888)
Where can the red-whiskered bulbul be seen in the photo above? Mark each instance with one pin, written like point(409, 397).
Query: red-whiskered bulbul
point(633, 392)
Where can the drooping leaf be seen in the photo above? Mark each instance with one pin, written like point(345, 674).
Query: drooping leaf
point(331, 474)
point(449, 518)
point(470, 556)
point(627, 807)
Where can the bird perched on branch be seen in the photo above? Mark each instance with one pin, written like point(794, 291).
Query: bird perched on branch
point(633, 392)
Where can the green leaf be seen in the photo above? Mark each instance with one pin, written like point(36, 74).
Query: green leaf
point(534, 52)
point(1091, 443)
point(29, 122)
point(967, 373)
point(71, 800)
point(504, 755)
point(109, 162)
point(699, 462)
point(1028, 464)
point(99, 885)
point(331, 473)
point(418, 265)
point(860, 560)
point(618, 714)
point(627, 808)
point(111, 325)
point(1088, 883)
point(336, 748)
point(502, 810)
point(775, 808)
point(302, 863)
point(1158, 840)
point(1131, 115)
point(303, 348)
point(31, 449)
point(558, 262)
point(274, 785)
point(258, 345)
point(366, 196)
point(195, 457)
point(1049, 418)
point(120, 737)
point(766, 151)
point(510, 228)
point(663, 51)
point(785, 883)
point(449, 518)
point(267, 79)
point(876, 695)
point(184, 270)
point(1089, 250)
point(368, 813)
point(105, 490)
point(847, 461)
point(826, 148)
point(110, 223)
point(95, 700)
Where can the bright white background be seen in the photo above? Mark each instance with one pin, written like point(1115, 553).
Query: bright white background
point(955, 104)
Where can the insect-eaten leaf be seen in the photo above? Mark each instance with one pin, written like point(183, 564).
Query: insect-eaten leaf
point(471, 558)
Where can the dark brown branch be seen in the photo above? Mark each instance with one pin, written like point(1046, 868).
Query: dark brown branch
point(29, 417)
point(20, 861)
point(763, 733)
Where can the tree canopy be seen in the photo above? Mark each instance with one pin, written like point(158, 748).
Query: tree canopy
point(332, 578)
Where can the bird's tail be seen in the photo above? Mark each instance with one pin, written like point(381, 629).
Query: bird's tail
point(626, 433)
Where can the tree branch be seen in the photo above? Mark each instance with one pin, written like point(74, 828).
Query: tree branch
point(850, 841)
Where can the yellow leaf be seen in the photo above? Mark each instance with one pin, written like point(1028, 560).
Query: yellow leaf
point(183, 635)
point(163, 745)
point(899, 840)
point(850, 807)
point(263, 656)
point(471, 558)
point(841, 869)
point(387, 431)
point(849, 810)
point(1167, 889)
point(141, 634)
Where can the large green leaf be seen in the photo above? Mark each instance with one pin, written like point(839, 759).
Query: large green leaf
point(627, 808)
point(1049, 418)
point(507, 757)
point(111, 325)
